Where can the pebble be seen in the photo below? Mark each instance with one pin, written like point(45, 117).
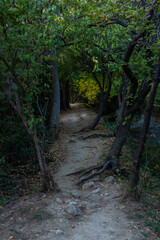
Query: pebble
point(92, 205)
point(58, 231)
point(73, 209)
point(76, 194)
point(95, 196)
point(110, 180)
point(87, 186)
point(59, 201)
point(96, 190)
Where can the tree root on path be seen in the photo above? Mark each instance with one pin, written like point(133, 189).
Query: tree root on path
point(85, 171)
point(105, 166)
point(95, 135)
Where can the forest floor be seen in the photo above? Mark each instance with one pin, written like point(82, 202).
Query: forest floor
point(93, 211)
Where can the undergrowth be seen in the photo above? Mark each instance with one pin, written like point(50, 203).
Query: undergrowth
point(18, 181)
point(149, 184)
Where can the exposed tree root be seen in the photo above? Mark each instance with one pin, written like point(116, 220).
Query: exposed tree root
point(85, 171)
point(105, 166)
point(83, 130)
point(98, 136)
point(91, 169)
point(74, 173)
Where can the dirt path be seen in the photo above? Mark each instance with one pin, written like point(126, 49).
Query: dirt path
point(91, 212)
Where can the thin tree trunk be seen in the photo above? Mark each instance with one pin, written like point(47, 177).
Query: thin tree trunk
point(99, 114)
point(67, 94)
point(119, 141)
point(55, 102)
point(48, 181)
point(63, 99)
point(134, 178)
point(103, 98)
point(123, 129)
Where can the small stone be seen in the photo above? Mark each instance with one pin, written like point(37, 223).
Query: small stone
point(96, 190)
point(59, 201)
point(74, 210)
point(110, 180)
point(106, 194)
point(87, 186)
point(76, 194)
point(95, 196)
point(122, 207)
point(59, 232)
point(92, 205)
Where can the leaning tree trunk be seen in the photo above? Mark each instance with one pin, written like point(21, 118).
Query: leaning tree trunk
point(103, 98)
point(55, 102)
point(119, 141)
point(134, 178)
point(48, 181)
point(99, 114)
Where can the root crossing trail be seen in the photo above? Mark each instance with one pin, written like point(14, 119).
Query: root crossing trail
point(93, 211)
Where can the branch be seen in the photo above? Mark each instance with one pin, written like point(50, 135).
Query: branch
point(67, 44)
point(114, 21)
point(98, 82)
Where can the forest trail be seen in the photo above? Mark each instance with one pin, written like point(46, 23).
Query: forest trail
point(93, 211)
point(79, 153)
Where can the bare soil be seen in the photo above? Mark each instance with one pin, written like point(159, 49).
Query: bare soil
point(89, 212)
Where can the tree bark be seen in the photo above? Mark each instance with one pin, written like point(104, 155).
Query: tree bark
point(65, 96)
point(55, 102)
point(48, 181)
point(99, 114)
point(134, 178)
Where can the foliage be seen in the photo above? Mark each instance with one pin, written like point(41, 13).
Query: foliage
point(89, 39)
point(87, 88)
point(112, 125)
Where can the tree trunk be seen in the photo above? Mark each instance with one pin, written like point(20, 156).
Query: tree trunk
point(103, 98)
point(134, 178)
point(119, 141)
point(65, 96)
point(55, 102)
point(99, 114)
point(48, 181)
point(123, 129)
point(63, 99)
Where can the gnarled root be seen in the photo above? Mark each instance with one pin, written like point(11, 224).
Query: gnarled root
point(85, 178)
point(98, 136)
point(85, 171)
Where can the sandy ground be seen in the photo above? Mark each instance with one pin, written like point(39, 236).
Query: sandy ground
point(88, 212)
